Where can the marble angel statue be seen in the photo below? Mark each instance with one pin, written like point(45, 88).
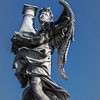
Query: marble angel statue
point(34, 48)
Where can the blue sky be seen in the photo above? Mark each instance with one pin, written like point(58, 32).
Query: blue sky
point(83, 65)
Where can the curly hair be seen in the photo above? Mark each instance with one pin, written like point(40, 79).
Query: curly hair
point(46, 10)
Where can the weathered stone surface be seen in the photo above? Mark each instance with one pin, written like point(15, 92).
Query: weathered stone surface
point(34, 48)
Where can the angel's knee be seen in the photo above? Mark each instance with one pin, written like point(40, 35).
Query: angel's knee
point(36, 87)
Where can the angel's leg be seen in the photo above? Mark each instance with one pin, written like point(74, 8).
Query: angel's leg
point(37, 88)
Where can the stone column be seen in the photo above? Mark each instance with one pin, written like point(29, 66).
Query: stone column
point(29, 13)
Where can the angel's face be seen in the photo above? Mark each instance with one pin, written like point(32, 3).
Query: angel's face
point(45, 16)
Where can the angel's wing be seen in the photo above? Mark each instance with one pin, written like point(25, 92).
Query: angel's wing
point(64, 30)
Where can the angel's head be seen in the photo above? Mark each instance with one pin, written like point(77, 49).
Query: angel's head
point(45, 15)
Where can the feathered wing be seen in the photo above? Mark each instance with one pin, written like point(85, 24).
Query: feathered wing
point(64, 29)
